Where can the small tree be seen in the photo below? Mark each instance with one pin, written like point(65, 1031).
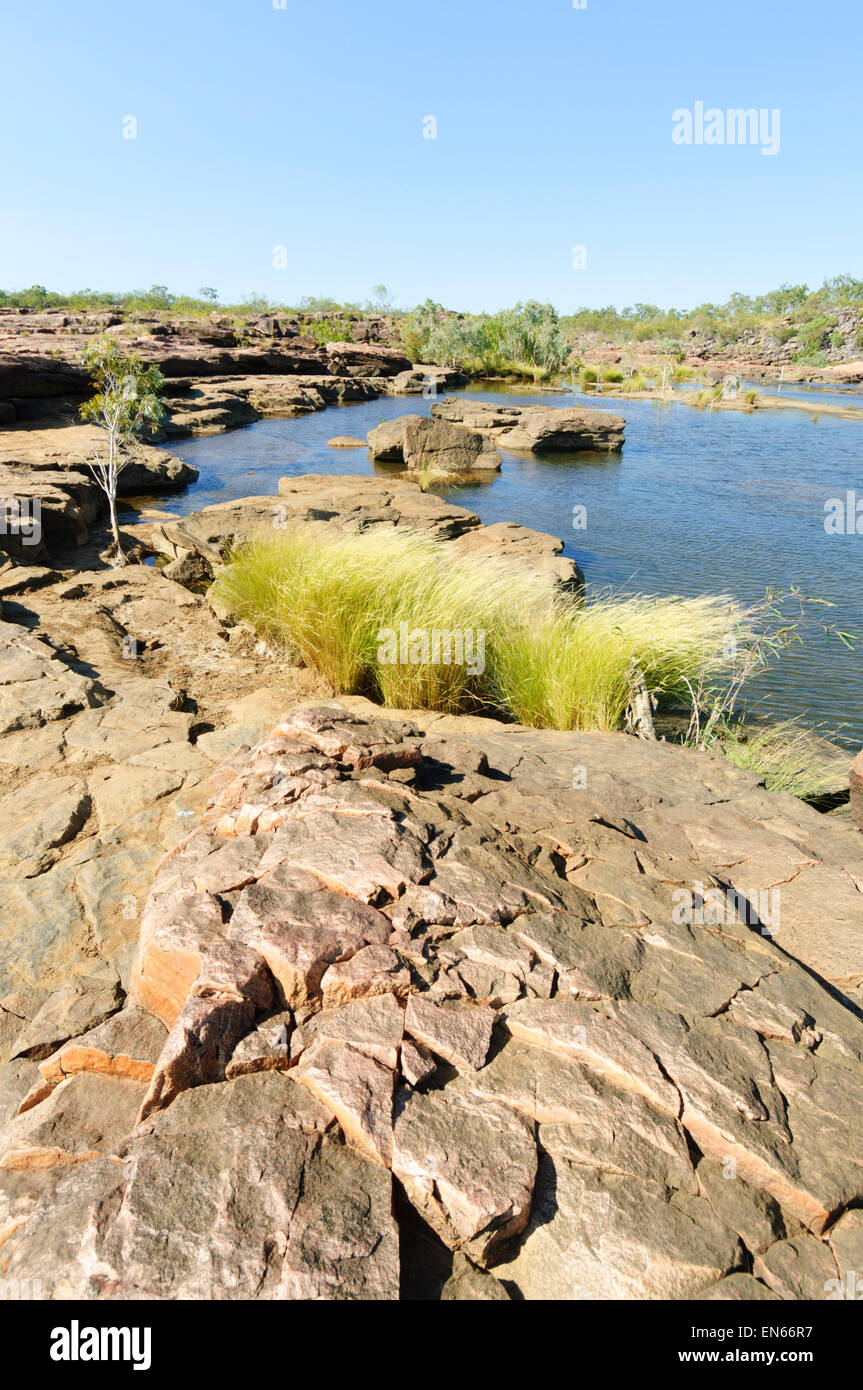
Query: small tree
point(126, 400)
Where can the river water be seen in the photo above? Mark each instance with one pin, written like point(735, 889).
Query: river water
point(697, 502)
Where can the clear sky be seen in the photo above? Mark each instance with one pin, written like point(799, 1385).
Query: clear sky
point(302, 127)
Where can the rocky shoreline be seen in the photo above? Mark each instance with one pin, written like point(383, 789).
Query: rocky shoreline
point(301, 999)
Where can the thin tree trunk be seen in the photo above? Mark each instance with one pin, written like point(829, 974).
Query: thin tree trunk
point(120, 558)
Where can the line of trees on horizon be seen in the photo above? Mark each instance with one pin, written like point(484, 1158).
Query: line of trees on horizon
point(529, 337)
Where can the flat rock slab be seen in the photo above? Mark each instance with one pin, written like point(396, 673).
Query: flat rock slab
point(232, 1195)
point(408, 946)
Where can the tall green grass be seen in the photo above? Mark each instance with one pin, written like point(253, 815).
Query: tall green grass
point(549, 662)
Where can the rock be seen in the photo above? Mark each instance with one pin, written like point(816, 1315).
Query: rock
point(475, 979)
point(83, 1116)
point(605, 1236)
point(537, 427)
point(435, 446)
point(738, 1288)
point(127, 1045)
point(250, 1200)
point(468, 1168)
point(460, 1033)
point(856, 780)
point(265, 1049)
point(427, 380)
point(300, 934)
point(417, 1065)
point(365, 359)
point(802, 1268)
point(387, 440)
point(346, 441)
point(46, 816)
point(424, 445)
point(372, 1026)
point(68, 1013)
point(358, 1091)
point(846, 1242)
point(608, 1049)
point(373, 970)
point(469, 1283)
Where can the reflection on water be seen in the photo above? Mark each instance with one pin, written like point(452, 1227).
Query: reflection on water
point(698, 502)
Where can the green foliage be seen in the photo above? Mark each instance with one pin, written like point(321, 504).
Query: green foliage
point(524, 341)
point(329, 331)
point(126, 390)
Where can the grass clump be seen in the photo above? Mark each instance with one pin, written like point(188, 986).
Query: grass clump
point(785, 755)
point(551, 662)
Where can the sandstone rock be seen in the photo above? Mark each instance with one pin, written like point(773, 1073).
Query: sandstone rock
point(387, 440)
point(604, 1236)
point(856, 780)
point(436, 446)
point(300, 934)
point(84, 1115)
point(579, 1031)
point(357, 1089)
point(373, 970)
point(127, 1046)
point(373, 1026)
point(346, 441)
point(461, 1034)
point(801, 1268)
point(231, 987)
point(46, 816)
point(417, 1065)
point(469, 1169)
point(644, 1058)
point(469, 1283)
point(266, 1048)
point(249, 1200)
point(365, 359)
point(68, 1013)
point(738, 1288)
point(536, 427)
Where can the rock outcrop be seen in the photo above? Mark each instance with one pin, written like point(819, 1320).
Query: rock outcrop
point(536, 428)
point(357, 503)
point(44, 475)
point(415, 957)
point(422, 445)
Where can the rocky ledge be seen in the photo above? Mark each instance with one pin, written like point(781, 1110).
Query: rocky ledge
point(198, 546)
point(447, 1015)
point(460, 436)
point(535, 428)
point(44, 475)
point(218, 372)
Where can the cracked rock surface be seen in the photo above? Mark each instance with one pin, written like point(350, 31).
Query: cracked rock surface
point(411, 1016)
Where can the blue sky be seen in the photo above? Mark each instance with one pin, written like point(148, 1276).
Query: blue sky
point(302, 127)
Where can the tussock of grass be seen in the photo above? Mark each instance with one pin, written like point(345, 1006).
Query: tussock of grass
point(549, 663)
point(785, 755)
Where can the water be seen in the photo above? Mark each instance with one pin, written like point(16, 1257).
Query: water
point(697, 502)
